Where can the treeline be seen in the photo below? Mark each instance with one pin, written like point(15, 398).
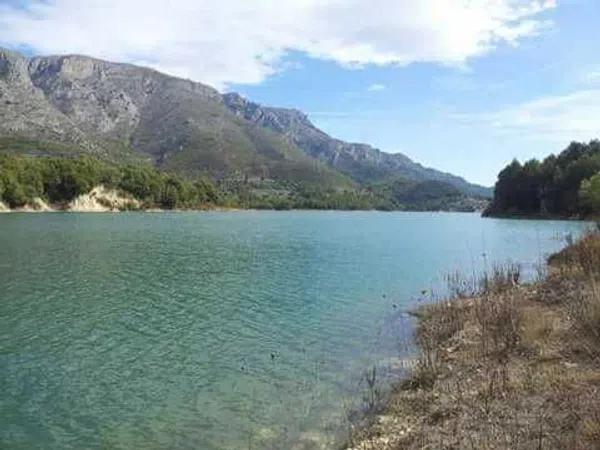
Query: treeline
point(564, 185)
point(60, 180)
point(313, 198)
point(393, 195)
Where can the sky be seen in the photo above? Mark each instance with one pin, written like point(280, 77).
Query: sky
point(463, 86)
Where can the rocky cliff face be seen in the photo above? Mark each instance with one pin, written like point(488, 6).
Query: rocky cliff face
point(24, 108)
point(120, 110)
point(182, 125)
point(101, 100)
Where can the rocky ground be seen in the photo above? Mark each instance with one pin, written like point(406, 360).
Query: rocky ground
point(512, 367)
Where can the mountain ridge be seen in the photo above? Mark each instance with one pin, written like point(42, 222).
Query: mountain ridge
point(184, 125)
point(176, 124)
point(359, 161)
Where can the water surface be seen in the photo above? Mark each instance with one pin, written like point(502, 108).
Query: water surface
point(216, 330)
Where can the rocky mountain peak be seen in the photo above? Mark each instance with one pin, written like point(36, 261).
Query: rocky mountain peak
point(72, 67)
point(278, 119)
point(13, 67)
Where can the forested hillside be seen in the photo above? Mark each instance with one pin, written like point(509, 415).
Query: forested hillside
point(27, 180)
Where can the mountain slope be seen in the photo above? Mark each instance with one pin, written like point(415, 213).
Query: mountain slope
point(361, 162)
point(125, 112)
point(109, 109)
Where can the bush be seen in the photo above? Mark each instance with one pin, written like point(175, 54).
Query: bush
point(585, 312)
point(582, 255)
point(589, 194)
point(14, 194)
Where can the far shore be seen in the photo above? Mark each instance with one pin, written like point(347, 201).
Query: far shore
point(109, 202)
point(528, 216)
point(58, 209)
point(28, 209)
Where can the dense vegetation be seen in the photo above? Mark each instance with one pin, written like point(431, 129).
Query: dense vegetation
point(567, 185)
point(398, 194)
point(426, 196)
point(59, 179)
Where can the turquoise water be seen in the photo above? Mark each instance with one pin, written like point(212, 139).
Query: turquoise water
point(217, 330)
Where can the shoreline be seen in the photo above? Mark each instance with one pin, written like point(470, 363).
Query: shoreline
point(524, 216)
point(105, 200)
point(512, 366)
point(29, 209)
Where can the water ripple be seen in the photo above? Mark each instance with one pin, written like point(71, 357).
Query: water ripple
point(213, 330)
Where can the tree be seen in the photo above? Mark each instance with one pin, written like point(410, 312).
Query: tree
point(589, 193)
point(551, 187)
point(505, 192)
point(14, 194)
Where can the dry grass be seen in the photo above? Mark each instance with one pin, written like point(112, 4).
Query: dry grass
point(504, 366)
point(581, 256)
point(584, 310)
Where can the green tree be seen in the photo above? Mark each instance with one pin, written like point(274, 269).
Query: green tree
point(14, 193)
point(551, 187)
point(589, 193)
point(143, 183)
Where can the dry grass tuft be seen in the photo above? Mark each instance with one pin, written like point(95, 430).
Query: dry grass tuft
point(583, 255)
point(585, 314)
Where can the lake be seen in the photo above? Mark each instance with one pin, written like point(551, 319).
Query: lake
point(219, 330)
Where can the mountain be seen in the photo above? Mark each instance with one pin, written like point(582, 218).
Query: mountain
point(361, 162)
point(72, 103)
point(122, 111)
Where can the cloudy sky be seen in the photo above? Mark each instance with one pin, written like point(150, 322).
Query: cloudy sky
point(460, 85)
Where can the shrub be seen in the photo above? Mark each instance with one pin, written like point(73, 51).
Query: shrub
point(585, 314)
point(583, 255)
point(589, 194)
point(14, 194)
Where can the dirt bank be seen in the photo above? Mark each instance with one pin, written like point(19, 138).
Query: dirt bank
point(99, 199)
point(513, 367)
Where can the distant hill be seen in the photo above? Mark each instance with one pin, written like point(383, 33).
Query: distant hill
point(76, 104)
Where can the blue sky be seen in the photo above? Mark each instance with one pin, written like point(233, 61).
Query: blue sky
point(462, 86)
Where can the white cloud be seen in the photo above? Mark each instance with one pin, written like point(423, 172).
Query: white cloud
point(376, 87)
point(229, 41)
point(555, 119)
